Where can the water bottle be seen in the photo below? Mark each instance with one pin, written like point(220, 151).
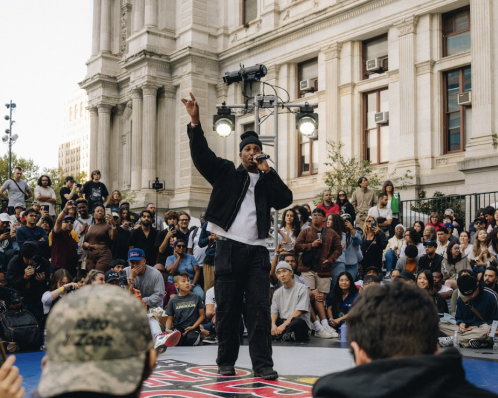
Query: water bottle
point(456, 340)
point(44, 346)
point(495, 344)
point(343, 330)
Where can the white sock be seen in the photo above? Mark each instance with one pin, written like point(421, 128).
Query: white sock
point(324, 323)
point(317, 325)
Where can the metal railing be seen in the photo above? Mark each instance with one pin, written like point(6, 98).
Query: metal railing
point(27, 203)
point(464, 206)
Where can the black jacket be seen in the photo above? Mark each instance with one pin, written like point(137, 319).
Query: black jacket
point(230, 185)
point(433, 265)
point(424, 376)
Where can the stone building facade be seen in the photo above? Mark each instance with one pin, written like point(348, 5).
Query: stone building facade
point(411, 58)
point(75, 139)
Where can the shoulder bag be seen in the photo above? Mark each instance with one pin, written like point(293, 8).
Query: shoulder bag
point(26, 196)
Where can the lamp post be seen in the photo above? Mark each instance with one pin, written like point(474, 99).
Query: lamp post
point(10, 138)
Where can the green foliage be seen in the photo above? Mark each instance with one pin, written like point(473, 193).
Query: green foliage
point(346, 172)
point(129, 196)
point(30, 170)
point(57, 176)
point(439, 203)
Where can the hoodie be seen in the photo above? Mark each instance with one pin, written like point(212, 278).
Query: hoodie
point(428, 376)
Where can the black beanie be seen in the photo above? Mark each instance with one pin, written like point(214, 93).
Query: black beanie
point(467, 285)
point(250, 137)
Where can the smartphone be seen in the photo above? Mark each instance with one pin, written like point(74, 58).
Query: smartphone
point(123, 279)
point(44, 207)
point(373, 224)
point(108, 211)
point(3, 354)
point(79, 185)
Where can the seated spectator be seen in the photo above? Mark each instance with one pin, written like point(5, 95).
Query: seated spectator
point(117, 265)
point(456, 293)
point(393, 248)
point(431, 261)
point(345, 207)
point(465, 245)
point(303, 214)
point(373, 243)
point(371, 280)
point(419, 226)
point(193, 245)
point(182, 262)
point(28, 274)
point(453, 232)
point(443, 235)
point(394, 274)
point(407, 277)
point(185, 312)
point(46, 222)
point(64, 246)
point(210, 325)
point(412, 238)
point(410, 262)
point(95, 277)
point(61, 284)
point(492, 242)
point(321, 248)
point(169, 288)
point(144, 278)
point(403, 361)
point(5, 238)
point(35, 234)
point(105, 370)
point(439, 287)
point(112, 278)
point(144, 237)
point(290, 308)
point(491, 278)
point(341, 299)
point(453, 263)
point(9, 299)
point(434, 221)
point(477, 308)
point(425, 281)
point(372, 271)
point(429, 234)
point(489, 215)
point(481, 256)
point(479, 224)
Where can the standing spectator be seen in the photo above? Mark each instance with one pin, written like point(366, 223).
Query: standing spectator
point(434, 221)
point(119, 247)
point(183, 224)
point(98, 240)
point(393, 200)
point(46, 222)
point(15, 218)
point(322, 247)
point(46, 195)
point(425, 281)
point(489, 215)
point(362, 200)
point(302, 216)
point(70, 191)
point(64, 247)
point(382, 213)
point(373, 244)
point(290, 229)
point(17, 189)
point(465, 245)
point(166, 239)
point(125, 217)
point(157, 221)
point(183, 262)
point(32, 232)
point(207, 241)
point(144, 237)
point(5, 238)
point(453, 263)
point(84, 221)
point(431, 261)
point(340, 300)
point(193, 242)
point(134, 217)
point(114, 200)
point(345, 207)
point(327, 205)
point(95, 191)
point(393, 248)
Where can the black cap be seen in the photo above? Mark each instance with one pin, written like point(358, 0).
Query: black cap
point(408, 276)
point(372, 269)
point(111, 276)
point(69, 178)
point(467, 285)
point(430, 243)
point(481, 219)
point(250, 137)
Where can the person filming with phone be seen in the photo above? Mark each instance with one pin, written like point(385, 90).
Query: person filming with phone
point(64, 246)
point(239, 214)
point(373, 244)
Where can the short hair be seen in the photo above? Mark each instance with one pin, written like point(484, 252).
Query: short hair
point(170, 214)
point(318, 210)
point(29, 211)
point(381, 195)
point(97, 204)
point(360, 180)
point(28, 250)
point(18, 168)
point(118, 261)
point(50, 221)
point(492, 268)
point(183, 213)
point(94, 172)
point(40, 180)
point(371, 278)
point(447, 216)
point(489, 210)
point(82, 200)
point(443, 229)
point(325, 190)
point(179, 241)
point(148, 204)
point(146, 211)
point(179, 275)
point(411, 251)
point(404, 315)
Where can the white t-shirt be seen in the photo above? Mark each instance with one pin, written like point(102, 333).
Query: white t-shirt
point(78, 225)
point(385, 212)
point(46, 191)
point(441, 249)
point(210, 297)
point(245, 226)
point(445, 289)
point(199, 252)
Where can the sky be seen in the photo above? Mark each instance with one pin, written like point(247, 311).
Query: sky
point(44, 47)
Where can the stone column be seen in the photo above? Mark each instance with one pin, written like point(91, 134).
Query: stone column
point(115, 155)
point(149, 137)
point(332, 73)
point(481, 20)
point(166, 128)
point(126, 148)
point(136, 140)
point(407, 85)
point(94, 135)
point(105, 26)
point(138, 15)
point(151, 13)
point(96, 28)
point(104, 140)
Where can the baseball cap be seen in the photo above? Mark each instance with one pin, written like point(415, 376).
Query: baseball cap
point(111, 276)
point(449, 225)
point(480, 219)
point(19, 205)
point(114, 214)
point(135, 254)
point(69, 178)
point(372, 268)
point(35, 202)
point(284, 265)
point(430, 243)
point(67, 218)
point(467, 285)
point(23, 217)
point(4, 217)
point(407, 275)
point(124, 202)
point(97, 341)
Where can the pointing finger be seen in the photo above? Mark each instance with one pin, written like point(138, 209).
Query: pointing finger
point(192, 96)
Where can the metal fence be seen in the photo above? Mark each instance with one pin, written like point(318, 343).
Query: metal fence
point(464, 206)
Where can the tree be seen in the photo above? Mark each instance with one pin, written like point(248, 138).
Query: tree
point(30, 170)
point(346, 173)
point(58, 177)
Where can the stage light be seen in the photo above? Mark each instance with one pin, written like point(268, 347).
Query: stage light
point(253, 73)
point(307, 121)
point(224, 122)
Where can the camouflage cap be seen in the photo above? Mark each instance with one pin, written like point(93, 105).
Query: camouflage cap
point(97, 341)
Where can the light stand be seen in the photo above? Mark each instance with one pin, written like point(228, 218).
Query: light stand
point(10, 139)
point(157, 185)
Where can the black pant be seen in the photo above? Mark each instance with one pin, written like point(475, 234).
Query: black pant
point(242, 268)
point(190, 339)
point(298, 326)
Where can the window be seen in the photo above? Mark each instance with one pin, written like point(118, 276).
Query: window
point(375, 48)
point(306, 70)
point(376, 136)
point(249, 11)
point(249, 127)
point(457, 118)
point(456, 32)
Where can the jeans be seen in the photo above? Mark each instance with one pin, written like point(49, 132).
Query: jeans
point(155, 328)
point(391, 260)
point(352, 269)
point(337, 268)
point(240, 268)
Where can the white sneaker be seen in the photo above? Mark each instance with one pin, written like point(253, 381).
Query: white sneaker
point(165, 340)
point(446, 341)
point(332, 331)
point(323, 333)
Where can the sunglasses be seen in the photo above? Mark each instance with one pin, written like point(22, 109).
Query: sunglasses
point(341, 194)
point(69, 222)
point(180, 246)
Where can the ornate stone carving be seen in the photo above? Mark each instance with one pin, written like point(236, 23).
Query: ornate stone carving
point(424, 67)
point(346, 89)
point(136, 93)
point(333, 51)
point(149, 90)
point(407, 25)
point(221, 90)
point(303, 181)
point(442, 162)
point(124, 26)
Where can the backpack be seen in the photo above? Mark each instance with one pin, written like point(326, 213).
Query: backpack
point(22, 328)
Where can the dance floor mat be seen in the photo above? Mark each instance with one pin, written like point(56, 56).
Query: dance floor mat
point(190, 372)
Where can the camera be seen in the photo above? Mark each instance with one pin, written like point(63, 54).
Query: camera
point(123, 279)
point(69, 289)
point(40, 264)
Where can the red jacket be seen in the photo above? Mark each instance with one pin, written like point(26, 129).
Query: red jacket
point(436, 226)
point(332, 209)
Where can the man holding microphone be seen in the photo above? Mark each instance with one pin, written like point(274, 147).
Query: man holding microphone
point(239, 214)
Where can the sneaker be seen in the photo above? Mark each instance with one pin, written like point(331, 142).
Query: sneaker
point(323, 333)
point(478, 343)
point(165, 340)
point(211, 339)
point(446, 341)
point(267, 374)
point(332, 331)
point(226, 370)
point(290, 337)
